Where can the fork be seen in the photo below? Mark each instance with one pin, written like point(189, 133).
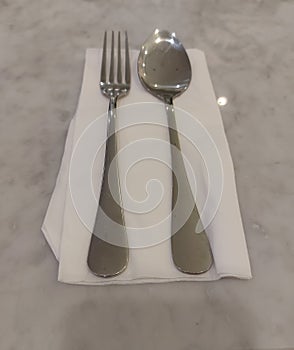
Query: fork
point(108, 252)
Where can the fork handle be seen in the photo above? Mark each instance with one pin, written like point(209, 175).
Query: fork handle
point(190, 250)
point(104, 258)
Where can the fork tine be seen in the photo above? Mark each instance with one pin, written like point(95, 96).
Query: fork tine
point(103, 63)
point(119, 77)
point(127, 63)
point(111, 71)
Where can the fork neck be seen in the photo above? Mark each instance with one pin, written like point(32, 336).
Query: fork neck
point(113, 102)
point(111, 115)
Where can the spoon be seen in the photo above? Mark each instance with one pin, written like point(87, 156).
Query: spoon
point(164, 70)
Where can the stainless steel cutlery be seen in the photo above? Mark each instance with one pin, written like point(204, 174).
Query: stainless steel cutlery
point(164, 70)
point(106, 259)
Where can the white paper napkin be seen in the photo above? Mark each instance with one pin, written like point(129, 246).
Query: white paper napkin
point(68, 236)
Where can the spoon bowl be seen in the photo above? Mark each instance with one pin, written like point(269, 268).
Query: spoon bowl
point(163, 66)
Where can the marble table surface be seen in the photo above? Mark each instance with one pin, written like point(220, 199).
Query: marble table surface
point(249, 47)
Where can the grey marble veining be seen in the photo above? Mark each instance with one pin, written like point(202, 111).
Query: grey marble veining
point(250, 51)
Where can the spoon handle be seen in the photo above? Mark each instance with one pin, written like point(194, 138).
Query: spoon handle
point(191, 250)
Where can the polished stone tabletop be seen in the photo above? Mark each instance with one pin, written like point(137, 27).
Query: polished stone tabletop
point(249, 47)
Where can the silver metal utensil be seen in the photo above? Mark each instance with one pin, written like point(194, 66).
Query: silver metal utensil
point(104, 258)
point(165, 71)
